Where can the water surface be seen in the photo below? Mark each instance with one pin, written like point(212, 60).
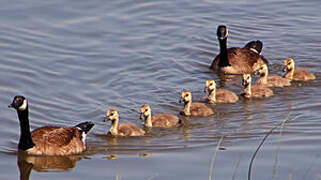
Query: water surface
point(74, 60)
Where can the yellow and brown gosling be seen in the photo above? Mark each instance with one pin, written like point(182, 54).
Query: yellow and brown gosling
point(158, 120)
point(194, 109)
point(254, 91)
point(269, 81)
point(127, 129)
point(219, 95)
point(49, 140)
point(296, 74)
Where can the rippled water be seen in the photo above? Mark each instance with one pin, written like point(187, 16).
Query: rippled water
point(74, 60)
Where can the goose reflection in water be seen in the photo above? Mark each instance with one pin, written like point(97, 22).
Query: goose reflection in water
point(26, 163)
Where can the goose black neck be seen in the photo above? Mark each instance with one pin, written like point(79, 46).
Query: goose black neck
point(223, 51)
point(25, 141)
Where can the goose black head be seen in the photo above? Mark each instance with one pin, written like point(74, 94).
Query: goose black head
point(19, 103)
point(222, 32)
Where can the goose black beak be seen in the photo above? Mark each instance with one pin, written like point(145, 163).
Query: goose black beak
point(12, 105)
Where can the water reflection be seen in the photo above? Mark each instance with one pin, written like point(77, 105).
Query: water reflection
point(26, 163)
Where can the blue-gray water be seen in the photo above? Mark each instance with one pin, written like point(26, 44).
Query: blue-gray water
point(74, 60)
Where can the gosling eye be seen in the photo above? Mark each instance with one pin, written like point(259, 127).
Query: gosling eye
point(146, 110)
point(211, 84)
point(261, 68)
point(112, 114)
point(186, 95)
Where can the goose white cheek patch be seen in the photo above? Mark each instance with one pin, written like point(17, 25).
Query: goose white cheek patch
point(24, 105)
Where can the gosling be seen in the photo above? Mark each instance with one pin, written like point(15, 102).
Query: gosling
point(254, 91)
point(219, 95)
point(163, 120)
point(296, 74)
point(116, 129)
point(269, 81)
point(194, 109)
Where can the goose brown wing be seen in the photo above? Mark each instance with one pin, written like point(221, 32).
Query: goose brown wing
point(54, 136)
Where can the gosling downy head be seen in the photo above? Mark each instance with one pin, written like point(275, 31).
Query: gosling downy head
point(111, 115)
point(210, 85)
point(246, 80)
point(289, 64)
point(186, 97)
point(260, 69)
point(145, 111)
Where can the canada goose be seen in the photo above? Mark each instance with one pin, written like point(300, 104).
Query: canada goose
point(127, 129)
point(255, 46)
point(269, 81)
point(219, 95)
point(235, 60)
point(158, 120)
point(254, 91)
point(296, 74)
point(49, 140)
point(193, 109)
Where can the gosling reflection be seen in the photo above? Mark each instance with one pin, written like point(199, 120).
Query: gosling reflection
point(44, 164)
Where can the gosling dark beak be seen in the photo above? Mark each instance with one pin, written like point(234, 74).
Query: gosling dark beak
point(285, 69)
point(106, 119)
point(244, 83)
point(141, 116)
point(256, 73)
point(180, 100)
point(205, 89)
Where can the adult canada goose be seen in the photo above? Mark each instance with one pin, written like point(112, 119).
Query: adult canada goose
point(158, 120)
point(219, 95)
point(255, 46)
point(254, 91)
point(235, 60)
point(194, 109)
point(269, 81)
point(296, 74)
point(126, 129)
point(49, 140)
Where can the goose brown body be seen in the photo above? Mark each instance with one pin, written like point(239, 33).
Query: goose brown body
point(235, 60)
point(49, 140)
point(126, 129)
point(159, 120)
point(254, 91)
point(219, 95)
point(269, 81)
point(296, 74)
point(194, 109)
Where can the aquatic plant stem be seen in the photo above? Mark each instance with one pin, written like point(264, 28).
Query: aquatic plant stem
point(261, 144)
point(210, 177)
